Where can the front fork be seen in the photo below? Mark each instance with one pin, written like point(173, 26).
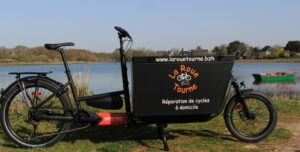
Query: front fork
point(240, 99)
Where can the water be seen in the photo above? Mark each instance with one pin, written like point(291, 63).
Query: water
point(106, 77)
point(244, 71)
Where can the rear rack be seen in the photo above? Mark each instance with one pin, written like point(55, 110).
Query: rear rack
point(28, 73)
point(18, 74)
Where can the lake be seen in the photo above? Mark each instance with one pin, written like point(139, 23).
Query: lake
point(106, 76)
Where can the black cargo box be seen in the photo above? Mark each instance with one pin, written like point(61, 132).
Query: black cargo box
point(180, 86)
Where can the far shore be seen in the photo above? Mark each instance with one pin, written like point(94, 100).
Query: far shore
point(45, 63)
point(282, 60)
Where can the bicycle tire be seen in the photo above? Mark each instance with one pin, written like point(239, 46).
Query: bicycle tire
point(233, 125)
point(17, 136)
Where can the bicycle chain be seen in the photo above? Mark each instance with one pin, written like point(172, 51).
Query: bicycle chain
point(62, 132)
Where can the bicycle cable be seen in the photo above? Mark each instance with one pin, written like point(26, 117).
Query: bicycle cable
point(128, 46)
point(62, 132)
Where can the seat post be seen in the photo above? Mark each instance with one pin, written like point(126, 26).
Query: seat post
point(69, 75)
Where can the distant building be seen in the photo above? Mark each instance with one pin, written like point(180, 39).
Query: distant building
point(265, 51)
point(184, 53)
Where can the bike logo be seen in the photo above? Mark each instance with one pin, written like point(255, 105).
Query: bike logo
point(183, 79)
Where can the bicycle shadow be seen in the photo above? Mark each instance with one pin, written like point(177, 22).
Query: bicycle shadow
point(95, 134)
point(140, 134)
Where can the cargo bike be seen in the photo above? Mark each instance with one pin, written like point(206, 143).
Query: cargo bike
point(37, 111)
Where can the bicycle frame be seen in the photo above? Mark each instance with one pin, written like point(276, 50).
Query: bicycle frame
point(125, 92)
point(77, 98)
point(125, 82)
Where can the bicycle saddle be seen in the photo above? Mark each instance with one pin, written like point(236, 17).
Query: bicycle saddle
point(58, 45)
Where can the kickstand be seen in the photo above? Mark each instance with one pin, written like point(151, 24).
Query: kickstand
point(162, 136)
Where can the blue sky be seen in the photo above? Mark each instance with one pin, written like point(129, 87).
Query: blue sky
point(154, 24)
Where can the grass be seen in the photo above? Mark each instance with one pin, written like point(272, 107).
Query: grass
point(288, 110)
point(207, 136)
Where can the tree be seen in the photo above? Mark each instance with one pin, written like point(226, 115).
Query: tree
point(235, 46)
point(293, 46)
point(255, 51)
point(276, 51)
point(20, 47)
point(220, 50)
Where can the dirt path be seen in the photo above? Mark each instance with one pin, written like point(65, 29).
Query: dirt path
point(292, 144)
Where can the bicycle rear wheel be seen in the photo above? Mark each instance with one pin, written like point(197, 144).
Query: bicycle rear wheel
point(255, 128)
point(17, 112)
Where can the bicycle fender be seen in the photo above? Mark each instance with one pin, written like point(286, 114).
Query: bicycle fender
point(28, 78)
point(3, 91)
point(246, 90)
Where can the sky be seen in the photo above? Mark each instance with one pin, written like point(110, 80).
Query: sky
point(153, 24)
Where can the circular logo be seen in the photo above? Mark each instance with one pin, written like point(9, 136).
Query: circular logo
point(183, 79)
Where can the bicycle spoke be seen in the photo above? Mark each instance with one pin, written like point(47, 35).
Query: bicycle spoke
point(45, 101)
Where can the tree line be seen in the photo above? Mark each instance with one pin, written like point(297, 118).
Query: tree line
point(292, 49)
point(40, 54)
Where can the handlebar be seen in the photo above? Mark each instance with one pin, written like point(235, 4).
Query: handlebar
point(123, 32)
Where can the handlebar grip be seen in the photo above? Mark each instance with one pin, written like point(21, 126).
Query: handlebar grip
point(123, 32)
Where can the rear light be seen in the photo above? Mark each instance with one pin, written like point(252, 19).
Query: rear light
point(36, 93)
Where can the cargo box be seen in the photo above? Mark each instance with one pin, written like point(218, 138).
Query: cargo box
point(180, 86)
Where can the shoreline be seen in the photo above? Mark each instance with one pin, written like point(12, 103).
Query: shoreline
point(44, 63)
point(294, 60)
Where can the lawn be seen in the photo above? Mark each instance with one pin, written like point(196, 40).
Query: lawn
point(208, 136)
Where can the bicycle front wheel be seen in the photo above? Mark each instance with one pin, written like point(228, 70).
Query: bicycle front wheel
point(255, 128)
point(19, 106)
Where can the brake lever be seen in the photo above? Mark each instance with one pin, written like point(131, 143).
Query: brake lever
point(242, 84)
point(123, 32)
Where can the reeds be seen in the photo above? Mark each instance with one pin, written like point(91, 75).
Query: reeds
point(284, 93)
point(81, 81)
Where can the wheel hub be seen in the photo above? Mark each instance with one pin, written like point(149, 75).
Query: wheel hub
point(244, 116)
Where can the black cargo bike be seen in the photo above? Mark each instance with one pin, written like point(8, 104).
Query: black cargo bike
point(37, 111)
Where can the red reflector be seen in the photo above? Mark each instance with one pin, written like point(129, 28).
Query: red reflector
point(36, 93)
point(110, 119)
point(238, 106)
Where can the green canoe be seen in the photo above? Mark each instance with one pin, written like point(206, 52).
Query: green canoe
point(275, 77)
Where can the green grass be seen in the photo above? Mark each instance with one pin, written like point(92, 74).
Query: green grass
point(207, 136)
point(288, 109)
